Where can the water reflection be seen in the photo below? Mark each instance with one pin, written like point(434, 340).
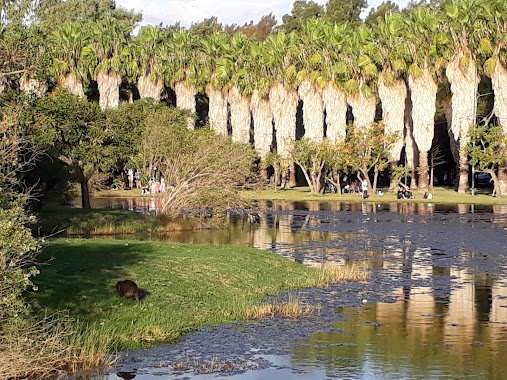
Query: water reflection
point(437, 296)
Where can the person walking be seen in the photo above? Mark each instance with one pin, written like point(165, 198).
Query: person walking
point(364, 187)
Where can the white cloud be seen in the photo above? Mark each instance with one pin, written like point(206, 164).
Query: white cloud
point(169, 12)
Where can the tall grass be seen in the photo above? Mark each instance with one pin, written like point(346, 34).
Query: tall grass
point(51, 347)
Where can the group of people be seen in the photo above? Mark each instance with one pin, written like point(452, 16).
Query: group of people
point(156, 184)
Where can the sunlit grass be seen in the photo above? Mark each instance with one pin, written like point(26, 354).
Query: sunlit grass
point(440, 195)
point(293, 308)
point(191, 286)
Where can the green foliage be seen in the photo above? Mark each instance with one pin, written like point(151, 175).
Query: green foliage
point(204, 170)
point(302, 11)
point(487, 147)
point(17, 251)
point(345, 11)
point(311, 157)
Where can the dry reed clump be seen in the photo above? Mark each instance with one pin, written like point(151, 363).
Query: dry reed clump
point(334, 274)
point(52, 347)
point(294, 308)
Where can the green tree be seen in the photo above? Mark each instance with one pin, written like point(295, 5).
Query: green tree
point(51, 13)
point(376, 14)
point(302, 11)
point(488, 152)
point(345, 11)
point(196, 164)
point(311, 157)
point(367, 150)
point(73, 130)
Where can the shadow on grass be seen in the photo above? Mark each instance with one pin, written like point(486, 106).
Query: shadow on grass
point(80, 275)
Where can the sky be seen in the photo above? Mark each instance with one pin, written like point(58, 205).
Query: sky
point(227, 11)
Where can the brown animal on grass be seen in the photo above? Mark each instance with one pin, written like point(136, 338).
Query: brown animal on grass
point(130, 290)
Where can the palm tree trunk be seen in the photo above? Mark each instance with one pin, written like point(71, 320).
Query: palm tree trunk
point(363, 109)
point(393, 112)
point(411, 151)
point(109, 89)
point(149, 88)
point(185, 99)
point(284, 104)
point(499, 82)
point(73, 84)
point(217, 110)
point(423, 91)
point(240, 116)
point(393, 99)
point(313, 110)
point(32, 86)
point(335, 104)
point(263, 124)
point(464, 82)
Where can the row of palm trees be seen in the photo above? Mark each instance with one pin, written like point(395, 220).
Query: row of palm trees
point(400, 61)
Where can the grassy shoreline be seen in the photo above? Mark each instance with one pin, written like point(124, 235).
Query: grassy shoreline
point(442, 195)
point(192, 286)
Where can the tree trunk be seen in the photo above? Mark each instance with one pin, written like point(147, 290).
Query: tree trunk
point(393, 112)
point(499, 82)
point(423, 91)
point(109, 89)
point(149, 88)
point(411, 152)
point(185, 99)
point(501, 187)
point(217, 110)
point(263, 124)
point(464, 83)
point(423, 171)
point(284, 104)
point(240, 116)
point(73, 84)
point(335, 104)
point(85, 194)
point(313, 110)
point(32, 86)
point(363, 109)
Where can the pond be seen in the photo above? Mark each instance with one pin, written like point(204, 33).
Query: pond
point(435, 305)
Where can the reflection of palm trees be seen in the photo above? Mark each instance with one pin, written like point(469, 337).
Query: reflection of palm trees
point(500, 215)
point(421, 305)
point(460, 321)
point(498, 314)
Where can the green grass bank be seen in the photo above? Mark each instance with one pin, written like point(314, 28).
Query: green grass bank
point(440, 195)
point(191, 286)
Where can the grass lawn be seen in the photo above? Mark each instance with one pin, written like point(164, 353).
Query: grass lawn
point(440, 195)
point(191, 285)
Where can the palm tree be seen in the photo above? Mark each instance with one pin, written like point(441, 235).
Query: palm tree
point(280, 57)
point(67, 43)
point(335, 70)
point(423, 31)
point(147, 48)
point(360, 94)
point(495, 45)
point(108, 39)
point(260, 106)
point(212, 49)
point(181, 60)
point(311, 80)
point(391, 54)
point(239, 102)
point(463, 23)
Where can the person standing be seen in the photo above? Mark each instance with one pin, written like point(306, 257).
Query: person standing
point(364, 187)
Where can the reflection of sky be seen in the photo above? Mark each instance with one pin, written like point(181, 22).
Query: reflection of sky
point(227, 11)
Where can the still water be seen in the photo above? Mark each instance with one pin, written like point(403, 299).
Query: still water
point(435, 305)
